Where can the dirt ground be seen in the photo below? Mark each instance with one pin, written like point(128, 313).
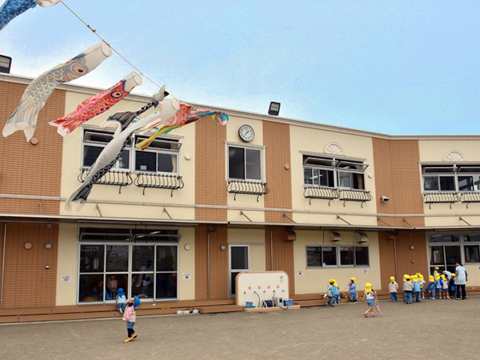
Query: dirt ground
point(438, 329)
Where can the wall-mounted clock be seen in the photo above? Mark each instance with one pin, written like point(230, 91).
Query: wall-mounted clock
point(246, 133)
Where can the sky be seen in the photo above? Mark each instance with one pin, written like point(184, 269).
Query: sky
point(394, 67)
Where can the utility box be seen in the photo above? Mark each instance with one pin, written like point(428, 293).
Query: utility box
point(257, 287)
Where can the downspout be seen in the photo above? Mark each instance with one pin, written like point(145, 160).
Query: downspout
point(3, 263)
point(395, 253)
point(271, 248)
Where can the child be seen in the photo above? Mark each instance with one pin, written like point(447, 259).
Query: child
point(438, 286)
point(393, 288)
point(445, 287)
point(422, 286)
point(330, 293)
point(370, 296)
point(336, 292)
point(408, 288)
point(121, 300)
point(353, 289)
point(431, 287)
point(453, 288)
point(416, 288)
point(129, 317)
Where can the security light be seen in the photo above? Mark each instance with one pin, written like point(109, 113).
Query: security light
point(274, 109)
point(5, 64)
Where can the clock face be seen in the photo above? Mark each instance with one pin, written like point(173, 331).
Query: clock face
point(246, 133)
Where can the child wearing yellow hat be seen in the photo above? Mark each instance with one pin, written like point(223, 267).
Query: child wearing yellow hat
point(408, 290)
point(353, 289)
point(438, 286)
point(336, 292)
point(330, 293)
point(370, 296)
point(416, 289)
point(393, 288)
point(444, 287)
point(453, 288)
point(422, 286)
point(431, 287)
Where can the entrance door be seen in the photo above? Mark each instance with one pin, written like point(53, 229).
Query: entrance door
point(239, 262)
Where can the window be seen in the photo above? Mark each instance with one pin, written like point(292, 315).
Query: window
point(142, 262)
point(244, 163)
point(334, 173)
point(451, 178)
point(326, 256)
point(160, 157)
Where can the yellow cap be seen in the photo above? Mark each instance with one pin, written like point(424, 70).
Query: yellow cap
point(407, 277)
point(335, 283)
point(354, 280)
point(437, 276)
point(437, 268)
point(368, 287)
point(331, 281)
point(418, 274)
point(392, 278)
point(415, 278)
point(420, 277)
point(453, 275)
point(443, 277)
point(430, 278)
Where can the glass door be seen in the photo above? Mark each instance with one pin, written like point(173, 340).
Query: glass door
point(238, 262)
point(444, 256)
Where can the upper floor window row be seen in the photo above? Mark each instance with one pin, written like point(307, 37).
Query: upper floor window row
point(451, 178)
point(162, 156)
point(333, 172)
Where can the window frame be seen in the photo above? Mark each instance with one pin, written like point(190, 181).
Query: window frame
point(338, 256)
point(259, 148)
point(462, 243)
point(176, 152)
point(428, 170)
point(335, 168)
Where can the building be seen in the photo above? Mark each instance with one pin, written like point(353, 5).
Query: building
point(179, 220)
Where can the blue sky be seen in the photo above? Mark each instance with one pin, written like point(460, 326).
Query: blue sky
point(396, 67)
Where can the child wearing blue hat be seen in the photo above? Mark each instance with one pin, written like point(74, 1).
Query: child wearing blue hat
point(129, 317)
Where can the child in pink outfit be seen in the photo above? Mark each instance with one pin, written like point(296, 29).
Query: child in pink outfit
point(129, 317)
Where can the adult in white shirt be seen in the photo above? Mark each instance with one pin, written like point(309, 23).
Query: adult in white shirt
point(461, 279)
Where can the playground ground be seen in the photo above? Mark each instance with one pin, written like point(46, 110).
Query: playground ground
point(438, 329)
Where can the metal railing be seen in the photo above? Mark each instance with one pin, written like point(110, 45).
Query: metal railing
point(440, 198)
point(468, 197)
point(354, 195)
point(111, 177)
point(247, 187)
point(319, 192)
point(159, 181)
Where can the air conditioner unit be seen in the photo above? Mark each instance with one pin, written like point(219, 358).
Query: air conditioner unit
point(360, 237)
point(334, 236)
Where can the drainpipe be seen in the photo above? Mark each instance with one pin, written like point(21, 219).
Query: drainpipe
point(271, 248)
point(3, 263)
point(208, 262)
point(395, 253)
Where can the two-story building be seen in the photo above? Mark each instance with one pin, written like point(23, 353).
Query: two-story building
point(180, 219)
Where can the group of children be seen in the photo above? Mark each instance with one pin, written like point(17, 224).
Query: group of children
point(333, 291)
point(439, 287)
point(128, 310)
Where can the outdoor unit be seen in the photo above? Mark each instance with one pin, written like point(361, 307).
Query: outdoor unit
point(334, 236)
point(361, 237)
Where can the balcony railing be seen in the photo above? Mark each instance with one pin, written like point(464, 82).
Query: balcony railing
point(354, 195)
point(320, 192)
point(159, 181)
point(112, 177)
point(440, 198)
point(247, 187)
point(468, 197)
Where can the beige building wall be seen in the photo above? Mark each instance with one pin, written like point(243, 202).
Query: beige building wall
point(244, 201)
point(251, 237)
point(435, 150)
point(130, 202)
point(186, 269)
point(316, 280)
point(67, 264)
point(314, 141)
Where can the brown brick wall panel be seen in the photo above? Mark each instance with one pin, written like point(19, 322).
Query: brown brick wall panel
point(25, 168)
point(276, 138)
point(397, 177)
point(282, 255)
point(210, 183)
point(27, 283)
point(405, 255)
point(218, 264)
